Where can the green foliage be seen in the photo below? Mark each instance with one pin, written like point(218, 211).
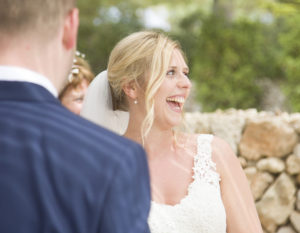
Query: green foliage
point(100, 31)
point(228, 59)
point(290, 43)
point(228, 55)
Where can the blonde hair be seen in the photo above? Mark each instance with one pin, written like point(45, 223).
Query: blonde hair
point(40, 16)
point(142, 57)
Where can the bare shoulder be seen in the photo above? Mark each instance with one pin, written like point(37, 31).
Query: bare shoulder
point(223, 156)
point(221, 148)
point(241, 214)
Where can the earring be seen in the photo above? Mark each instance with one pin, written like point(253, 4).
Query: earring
point(135, 101)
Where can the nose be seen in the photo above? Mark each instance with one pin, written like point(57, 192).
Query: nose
point(184, 82)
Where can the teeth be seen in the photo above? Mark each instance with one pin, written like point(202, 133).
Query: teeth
point(176, 99)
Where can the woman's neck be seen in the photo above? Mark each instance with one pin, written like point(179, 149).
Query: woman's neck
point(155, 142)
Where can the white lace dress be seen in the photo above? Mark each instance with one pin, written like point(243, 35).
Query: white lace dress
point(202, 210)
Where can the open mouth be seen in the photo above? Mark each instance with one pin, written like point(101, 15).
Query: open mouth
point(176, 103)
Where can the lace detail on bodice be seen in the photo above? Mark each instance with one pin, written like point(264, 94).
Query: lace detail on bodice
point(204, 168)
point(202, 209)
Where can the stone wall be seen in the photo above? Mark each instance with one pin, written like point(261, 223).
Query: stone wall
point(268, 147)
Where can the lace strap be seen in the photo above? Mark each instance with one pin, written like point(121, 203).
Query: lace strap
point(204, 167)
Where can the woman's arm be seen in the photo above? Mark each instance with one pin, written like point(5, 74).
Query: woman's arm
point(240, 209)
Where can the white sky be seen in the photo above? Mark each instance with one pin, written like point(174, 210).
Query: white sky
point(152, 17)
point(156, 17)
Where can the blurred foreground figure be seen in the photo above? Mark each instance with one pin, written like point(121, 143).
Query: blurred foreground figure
point(58, 172)
point(79, 79)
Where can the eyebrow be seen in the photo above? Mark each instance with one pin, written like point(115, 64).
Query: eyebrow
point(175, 67)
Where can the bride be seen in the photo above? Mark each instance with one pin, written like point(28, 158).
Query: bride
point(197, 183)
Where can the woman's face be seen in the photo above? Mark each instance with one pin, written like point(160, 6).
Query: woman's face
point(173, 92)
point(73, 97)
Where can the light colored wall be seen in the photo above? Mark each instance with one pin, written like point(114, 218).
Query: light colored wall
point(268, 147)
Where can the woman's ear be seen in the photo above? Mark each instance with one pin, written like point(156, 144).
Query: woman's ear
point(130, 89)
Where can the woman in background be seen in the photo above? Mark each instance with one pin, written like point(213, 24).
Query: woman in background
point(197, 183)
point(78, 81)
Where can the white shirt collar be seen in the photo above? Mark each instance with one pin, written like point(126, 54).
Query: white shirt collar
point(14, 73)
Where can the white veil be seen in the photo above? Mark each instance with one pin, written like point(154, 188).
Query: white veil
point(97, 106)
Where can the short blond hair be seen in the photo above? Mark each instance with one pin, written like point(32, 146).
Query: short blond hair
point(41, 16)
point(142, 57)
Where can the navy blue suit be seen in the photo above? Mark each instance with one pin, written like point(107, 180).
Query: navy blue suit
point(61, 173)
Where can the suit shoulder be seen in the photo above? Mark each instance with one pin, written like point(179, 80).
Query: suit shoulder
point(84, 135)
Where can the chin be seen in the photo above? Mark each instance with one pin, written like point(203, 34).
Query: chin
point(175, 121)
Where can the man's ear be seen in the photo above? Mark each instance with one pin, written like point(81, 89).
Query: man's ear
point(130, 90)
point(71, 24)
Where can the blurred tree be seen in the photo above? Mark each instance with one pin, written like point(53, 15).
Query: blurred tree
point(102, 26)
point(290, 43)
point(230, 44)
point(227, 58)
point(104, 22)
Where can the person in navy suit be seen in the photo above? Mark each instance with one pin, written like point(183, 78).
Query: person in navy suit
point(58, 172)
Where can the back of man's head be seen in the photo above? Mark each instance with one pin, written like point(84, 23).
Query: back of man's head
point(19, 17)
point(39, 35)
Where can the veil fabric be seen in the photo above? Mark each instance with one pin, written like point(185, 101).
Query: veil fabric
point(98, 108)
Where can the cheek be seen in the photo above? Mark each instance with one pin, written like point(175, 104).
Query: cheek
point(66, 101)
point(71, 104)
point(164, 90)
point(75, 107)
point(160, 99)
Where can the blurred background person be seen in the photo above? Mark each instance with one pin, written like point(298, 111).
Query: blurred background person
point(79, 79)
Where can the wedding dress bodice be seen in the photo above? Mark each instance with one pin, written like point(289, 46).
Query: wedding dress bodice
point(202, 209)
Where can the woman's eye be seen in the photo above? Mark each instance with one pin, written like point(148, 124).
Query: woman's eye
point(186, 74)
point(171, 72)
point(79, 99)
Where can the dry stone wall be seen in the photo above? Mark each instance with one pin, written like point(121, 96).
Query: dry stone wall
point(268, 147)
